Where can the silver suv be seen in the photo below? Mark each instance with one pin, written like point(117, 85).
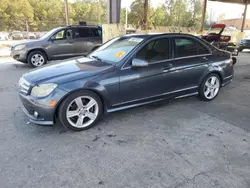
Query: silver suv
point(59, 43)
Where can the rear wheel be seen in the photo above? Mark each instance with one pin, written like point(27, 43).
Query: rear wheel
point(36, 59)
point(210, 87)
point(80, 110)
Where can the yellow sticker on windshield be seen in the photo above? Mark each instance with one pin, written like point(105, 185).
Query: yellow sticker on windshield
point(120, 54)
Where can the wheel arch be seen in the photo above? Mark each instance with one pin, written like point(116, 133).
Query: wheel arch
point(75, 91)
point(209, 73)
point(38, 49)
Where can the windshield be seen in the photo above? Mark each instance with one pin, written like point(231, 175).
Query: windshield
point(116, 49)
point(49, 33)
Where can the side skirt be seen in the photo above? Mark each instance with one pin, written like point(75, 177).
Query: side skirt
point(148, 102)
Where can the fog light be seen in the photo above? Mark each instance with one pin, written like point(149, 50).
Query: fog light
point(36, 114)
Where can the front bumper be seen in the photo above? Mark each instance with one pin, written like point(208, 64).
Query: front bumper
point(45, 114)
point(19, 55)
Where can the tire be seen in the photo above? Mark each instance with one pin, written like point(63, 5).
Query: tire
point(234, 60)
point(240, 49)
point(207, 90)
point(36, 59)
point(74, 111)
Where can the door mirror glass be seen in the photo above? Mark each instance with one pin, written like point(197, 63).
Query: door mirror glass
point(139, 63)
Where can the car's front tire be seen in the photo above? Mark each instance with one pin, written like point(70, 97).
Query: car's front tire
point(36, 59)
point(240, 49)
point(80, 110)
point(210, 87)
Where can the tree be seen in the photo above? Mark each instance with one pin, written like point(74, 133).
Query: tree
point(136, 14)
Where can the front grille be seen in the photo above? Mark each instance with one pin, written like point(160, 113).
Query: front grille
point(24, 86)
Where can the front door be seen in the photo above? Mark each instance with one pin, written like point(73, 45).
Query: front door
point(142, 83)
point(62, 44)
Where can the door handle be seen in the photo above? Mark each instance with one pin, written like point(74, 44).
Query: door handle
point(167, 67)
point(204, 59)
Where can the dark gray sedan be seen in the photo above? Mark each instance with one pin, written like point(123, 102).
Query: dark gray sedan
point(125, 72)
point(59, 43)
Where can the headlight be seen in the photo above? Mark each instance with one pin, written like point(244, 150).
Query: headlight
point(43, 90)
point(19, 47)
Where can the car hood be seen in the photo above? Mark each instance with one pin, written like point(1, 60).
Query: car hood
point(27, 43)
point(67, 71)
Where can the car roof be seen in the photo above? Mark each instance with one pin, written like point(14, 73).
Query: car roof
point(149, 35)
point(84, 26)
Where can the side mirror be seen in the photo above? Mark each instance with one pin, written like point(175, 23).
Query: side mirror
point(139, 63)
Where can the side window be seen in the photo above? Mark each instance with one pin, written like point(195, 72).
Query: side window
point(59, 35)
point(202, 49)
point(100, 32)
point(83, 32)
point(188, 47)
point(156, 50)
point(96, 33)
point(185, 47)
point(69, 34)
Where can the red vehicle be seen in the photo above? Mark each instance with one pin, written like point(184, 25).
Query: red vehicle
point(215, 37)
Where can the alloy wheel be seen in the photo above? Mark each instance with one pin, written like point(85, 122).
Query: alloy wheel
point(37, 60)
point(211, 87)
point(82, 111)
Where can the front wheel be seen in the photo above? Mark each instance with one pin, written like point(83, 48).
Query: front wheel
point(36, 59)
point(210, 87)
point(240, 49)
point(80, 110)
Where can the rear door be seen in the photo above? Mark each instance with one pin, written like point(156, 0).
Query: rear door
point(62, 44)
point(86, 40)
point(191, 58)
point(97, 37)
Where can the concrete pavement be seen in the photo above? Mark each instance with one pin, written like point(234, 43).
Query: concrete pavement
point(184, 143)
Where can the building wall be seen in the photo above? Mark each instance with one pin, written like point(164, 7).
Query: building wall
point(236, 23)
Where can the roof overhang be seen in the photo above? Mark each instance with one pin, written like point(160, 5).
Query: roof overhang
point(243, 2)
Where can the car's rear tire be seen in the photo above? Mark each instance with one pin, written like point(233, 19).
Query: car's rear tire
point(80, 110)
point(210, 87)
point(36, 59)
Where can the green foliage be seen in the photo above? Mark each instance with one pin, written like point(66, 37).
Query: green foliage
point(43, 15)
point(185, 13)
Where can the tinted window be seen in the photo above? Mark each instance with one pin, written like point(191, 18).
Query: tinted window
point(188, 47)
point(156, 50)
point(202, 49)
point(83, 32)
point(96, 32)
point(69, 34)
